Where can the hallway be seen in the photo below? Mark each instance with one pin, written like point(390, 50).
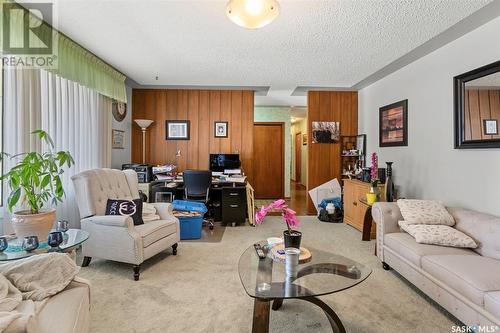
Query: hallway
point(298, 198)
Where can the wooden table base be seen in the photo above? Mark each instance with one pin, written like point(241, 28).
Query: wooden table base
point(261, 311)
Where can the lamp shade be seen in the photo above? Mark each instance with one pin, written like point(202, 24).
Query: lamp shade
point(143, 123)
point(252, 14)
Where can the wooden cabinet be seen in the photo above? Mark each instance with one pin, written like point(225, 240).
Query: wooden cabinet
point(354, 211)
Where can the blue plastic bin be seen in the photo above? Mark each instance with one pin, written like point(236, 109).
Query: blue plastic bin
point(190, 226)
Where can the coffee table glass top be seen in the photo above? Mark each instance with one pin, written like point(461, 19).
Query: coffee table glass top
point(325, 273)
point(72, 238)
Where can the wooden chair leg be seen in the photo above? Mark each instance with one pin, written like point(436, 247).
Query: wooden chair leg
point(137, 269)
point(86, 261)
point(174, 249)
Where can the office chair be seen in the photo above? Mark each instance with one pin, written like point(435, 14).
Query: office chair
point(197, 187)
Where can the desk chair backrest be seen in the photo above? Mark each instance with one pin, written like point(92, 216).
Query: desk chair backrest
point(197, 183)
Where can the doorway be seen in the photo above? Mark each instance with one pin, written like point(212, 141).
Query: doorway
point(298, 157)
point(269, 160)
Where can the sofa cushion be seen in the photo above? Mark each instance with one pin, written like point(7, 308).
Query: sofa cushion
point(406, 246)
point(156, 230)
point(424, 212)
point(438, 235)
point(483, 228)
point(67, 311)
point(492, 303)
point(471, 276)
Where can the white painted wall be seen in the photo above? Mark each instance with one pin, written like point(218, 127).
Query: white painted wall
point(121, 156)
point(430, 167)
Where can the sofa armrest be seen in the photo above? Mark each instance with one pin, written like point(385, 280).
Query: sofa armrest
point(79, 282)
point(386, 215)
point(111, 220)
point(164, 210)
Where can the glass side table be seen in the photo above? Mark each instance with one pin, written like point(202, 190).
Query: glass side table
point(72, 239)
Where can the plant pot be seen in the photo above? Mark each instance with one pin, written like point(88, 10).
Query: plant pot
point(27, 224)
point(371, 198)
point(293, 239)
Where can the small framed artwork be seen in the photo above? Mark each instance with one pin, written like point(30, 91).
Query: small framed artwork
point(393, 124)
point(177, 129)
point(220, 129)
point(361, 144)
point(118, 139)
point(490, 127)
point(325, 131)
point(304, 139)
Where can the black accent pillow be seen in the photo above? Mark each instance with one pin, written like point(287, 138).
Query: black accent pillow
point(132, 208)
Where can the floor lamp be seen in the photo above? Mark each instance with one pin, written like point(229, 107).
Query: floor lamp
point(143, 124)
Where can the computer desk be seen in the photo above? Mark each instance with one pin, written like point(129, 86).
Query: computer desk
point(227, 198)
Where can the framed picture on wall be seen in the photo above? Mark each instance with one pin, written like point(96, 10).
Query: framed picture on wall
point(325, 131)
point(393, 124)
point(177, 129)
point(304, 139)
point(220, 129)
point(490, 126)
point(118, 139)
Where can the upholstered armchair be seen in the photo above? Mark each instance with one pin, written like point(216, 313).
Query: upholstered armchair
point(115, 237)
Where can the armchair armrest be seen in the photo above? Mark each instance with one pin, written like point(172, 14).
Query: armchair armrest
point(111, 220)
point(164, 210)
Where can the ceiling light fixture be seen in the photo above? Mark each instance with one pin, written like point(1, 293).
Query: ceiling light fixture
point(252, 14)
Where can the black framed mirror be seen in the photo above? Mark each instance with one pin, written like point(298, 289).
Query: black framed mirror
point(477, 108)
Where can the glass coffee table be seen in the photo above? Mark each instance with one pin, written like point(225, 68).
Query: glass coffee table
point(326, 273)
point(72, 239)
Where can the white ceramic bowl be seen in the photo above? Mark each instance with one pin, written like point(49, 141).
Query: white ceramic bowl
point(272, 241)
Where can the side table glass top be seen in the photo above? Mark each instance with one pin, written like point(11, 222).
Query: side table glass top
point(325, 273)
point(72, 238)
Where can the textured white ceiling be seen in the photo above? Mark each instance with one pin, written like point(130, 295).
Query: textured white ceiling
point(333, 43)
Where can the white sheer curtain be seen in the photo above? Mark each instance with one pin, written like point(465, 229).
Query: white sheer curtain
point(77, 118)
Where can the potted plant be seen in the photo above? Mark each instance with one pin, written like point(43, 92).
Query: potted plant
point(371, 197)
point(291, 237)
point(34, 182)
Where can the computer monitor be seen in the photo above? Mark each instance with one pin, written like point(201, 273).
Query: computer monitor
point(220, 162)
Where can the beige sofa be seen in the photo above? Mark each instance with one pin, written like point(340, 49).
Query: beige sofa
point(465, 282)
point(68, 311)
point(116, 237)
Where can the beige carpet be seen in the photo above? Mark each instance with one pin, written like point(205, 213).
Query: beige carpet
point(199, 290)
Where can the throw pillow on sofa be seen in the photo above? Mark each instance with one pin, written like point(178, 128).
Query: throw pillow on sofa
point(438, 235)
point(132, 208)
point(425, 212)
point(149, 212)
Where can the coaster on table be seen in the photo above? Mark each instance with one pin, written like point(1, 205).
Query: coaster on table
point(305, 254)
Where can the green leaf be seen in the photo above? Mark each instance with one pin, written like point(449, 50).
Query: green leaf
point(13, 198)
point(45, 181)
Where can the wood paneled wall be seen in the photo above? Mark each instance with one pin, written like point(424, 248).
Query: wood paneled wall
point(323, 158)
point(202, 108)
point(480, 104)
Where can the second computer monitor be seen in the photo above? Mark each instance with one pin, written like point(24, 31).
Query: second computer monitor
point(221, 162)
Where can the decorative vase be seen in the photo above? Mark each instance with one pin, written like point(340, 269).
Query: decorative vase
point(371, 198)
point(292, 239)
point(27, 224)
point(389, 185)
